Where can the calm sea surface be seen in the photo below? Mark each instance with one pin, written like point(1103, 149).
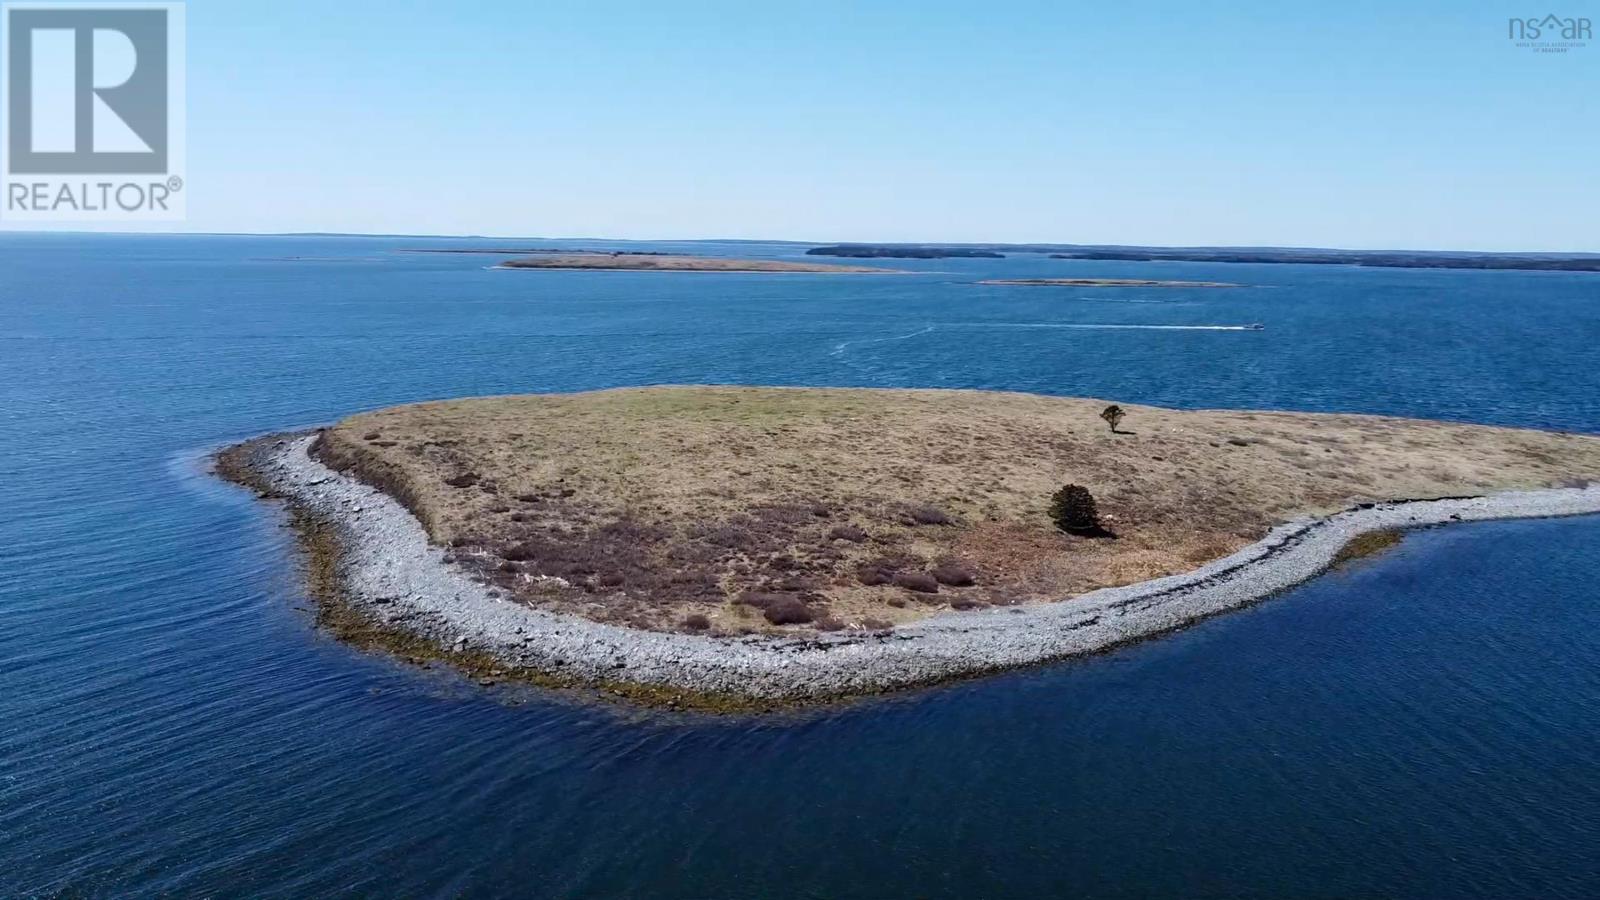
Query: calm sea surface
point(1425, 725)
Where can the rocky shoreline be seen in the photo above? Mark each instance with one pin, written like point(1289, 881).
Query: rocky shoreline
point(410, 599)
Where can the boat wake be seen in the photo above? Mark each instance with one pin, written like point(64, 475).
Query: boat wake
point(1133, 301)
point(841, 347)
point(1254, 326)
point(900, 337)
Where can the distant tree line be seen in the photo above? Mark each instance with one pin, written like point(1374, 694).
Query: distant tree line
point(1350, 258)
point(870, 251)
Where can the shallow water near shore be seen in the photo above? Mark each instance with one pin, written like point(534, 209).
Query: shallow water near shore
point(1421, 724)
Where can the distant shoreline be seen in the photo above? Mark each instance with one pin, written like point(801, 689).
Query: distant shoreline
point(1406, 259)
point(642, 262)
point(1400, 259)
point(891, 251)
point(1486, 261)
point(520, 251)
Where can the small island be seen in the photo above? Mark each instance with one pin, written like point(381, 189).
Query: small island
point(1107, 282)
point(739, 547)
point(529, 251)
point(636, 262)
point(1536, 262)
point(903, 251)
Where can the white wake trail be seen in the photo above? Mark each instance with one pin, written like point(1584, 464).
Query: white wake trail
point(840, 348)
point(1099, 326)
point(899, 337)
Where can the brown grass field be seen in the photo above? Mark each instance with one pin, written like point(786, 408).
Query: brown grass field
point(653, 263)
point(734, 510)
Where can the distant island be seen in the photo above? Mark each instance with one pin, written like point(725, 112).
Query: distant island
point(1415, 259)
point(1537, 262)
point(902, 251)
point(669, 263)
point(735, 547)
point(529, 251)
point(1106, 282)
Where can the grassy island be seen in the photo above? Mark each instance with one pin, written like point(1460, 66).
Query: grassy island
point(729, 510)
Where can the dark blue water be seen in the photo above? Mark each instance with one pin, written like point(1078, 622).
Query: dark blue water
point(1425, 725)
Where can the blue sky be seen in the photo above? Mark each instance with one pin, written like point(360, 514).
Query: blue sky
point(1413, 125)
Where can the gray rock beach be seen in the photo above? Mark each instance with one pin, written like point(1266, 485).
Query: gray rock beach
point(392, 574)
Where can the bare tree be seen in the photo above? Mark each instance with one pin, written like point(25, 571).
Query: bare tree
point(1112, 414)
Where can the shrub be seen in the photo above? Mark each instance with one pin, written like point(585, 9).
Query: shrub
point(871, 577)
point(828, 623)
point(847, 533)
point(517, 553)
point(464, 480)
point(795, 585)
point(1073, 510)
point(783, 513)
point(877, 624)
point(696, 622)
point(953, 575)
point(927, 515)
point(917, 582)
point(750, 536)
point(631, 531)
point(789, 611)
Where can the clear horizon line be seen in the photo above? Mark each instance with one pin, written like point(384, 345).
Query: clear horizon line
point(814, 243)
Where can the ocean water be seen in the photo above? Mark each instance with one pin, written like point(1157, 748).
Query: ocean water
point(1426, 724)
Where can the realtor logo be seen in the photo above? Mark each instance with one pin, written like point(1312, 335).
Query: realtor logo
point(93, 111)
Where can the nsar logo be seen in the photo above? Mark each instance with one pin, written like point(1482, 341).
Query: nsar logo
point(1550, 34)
